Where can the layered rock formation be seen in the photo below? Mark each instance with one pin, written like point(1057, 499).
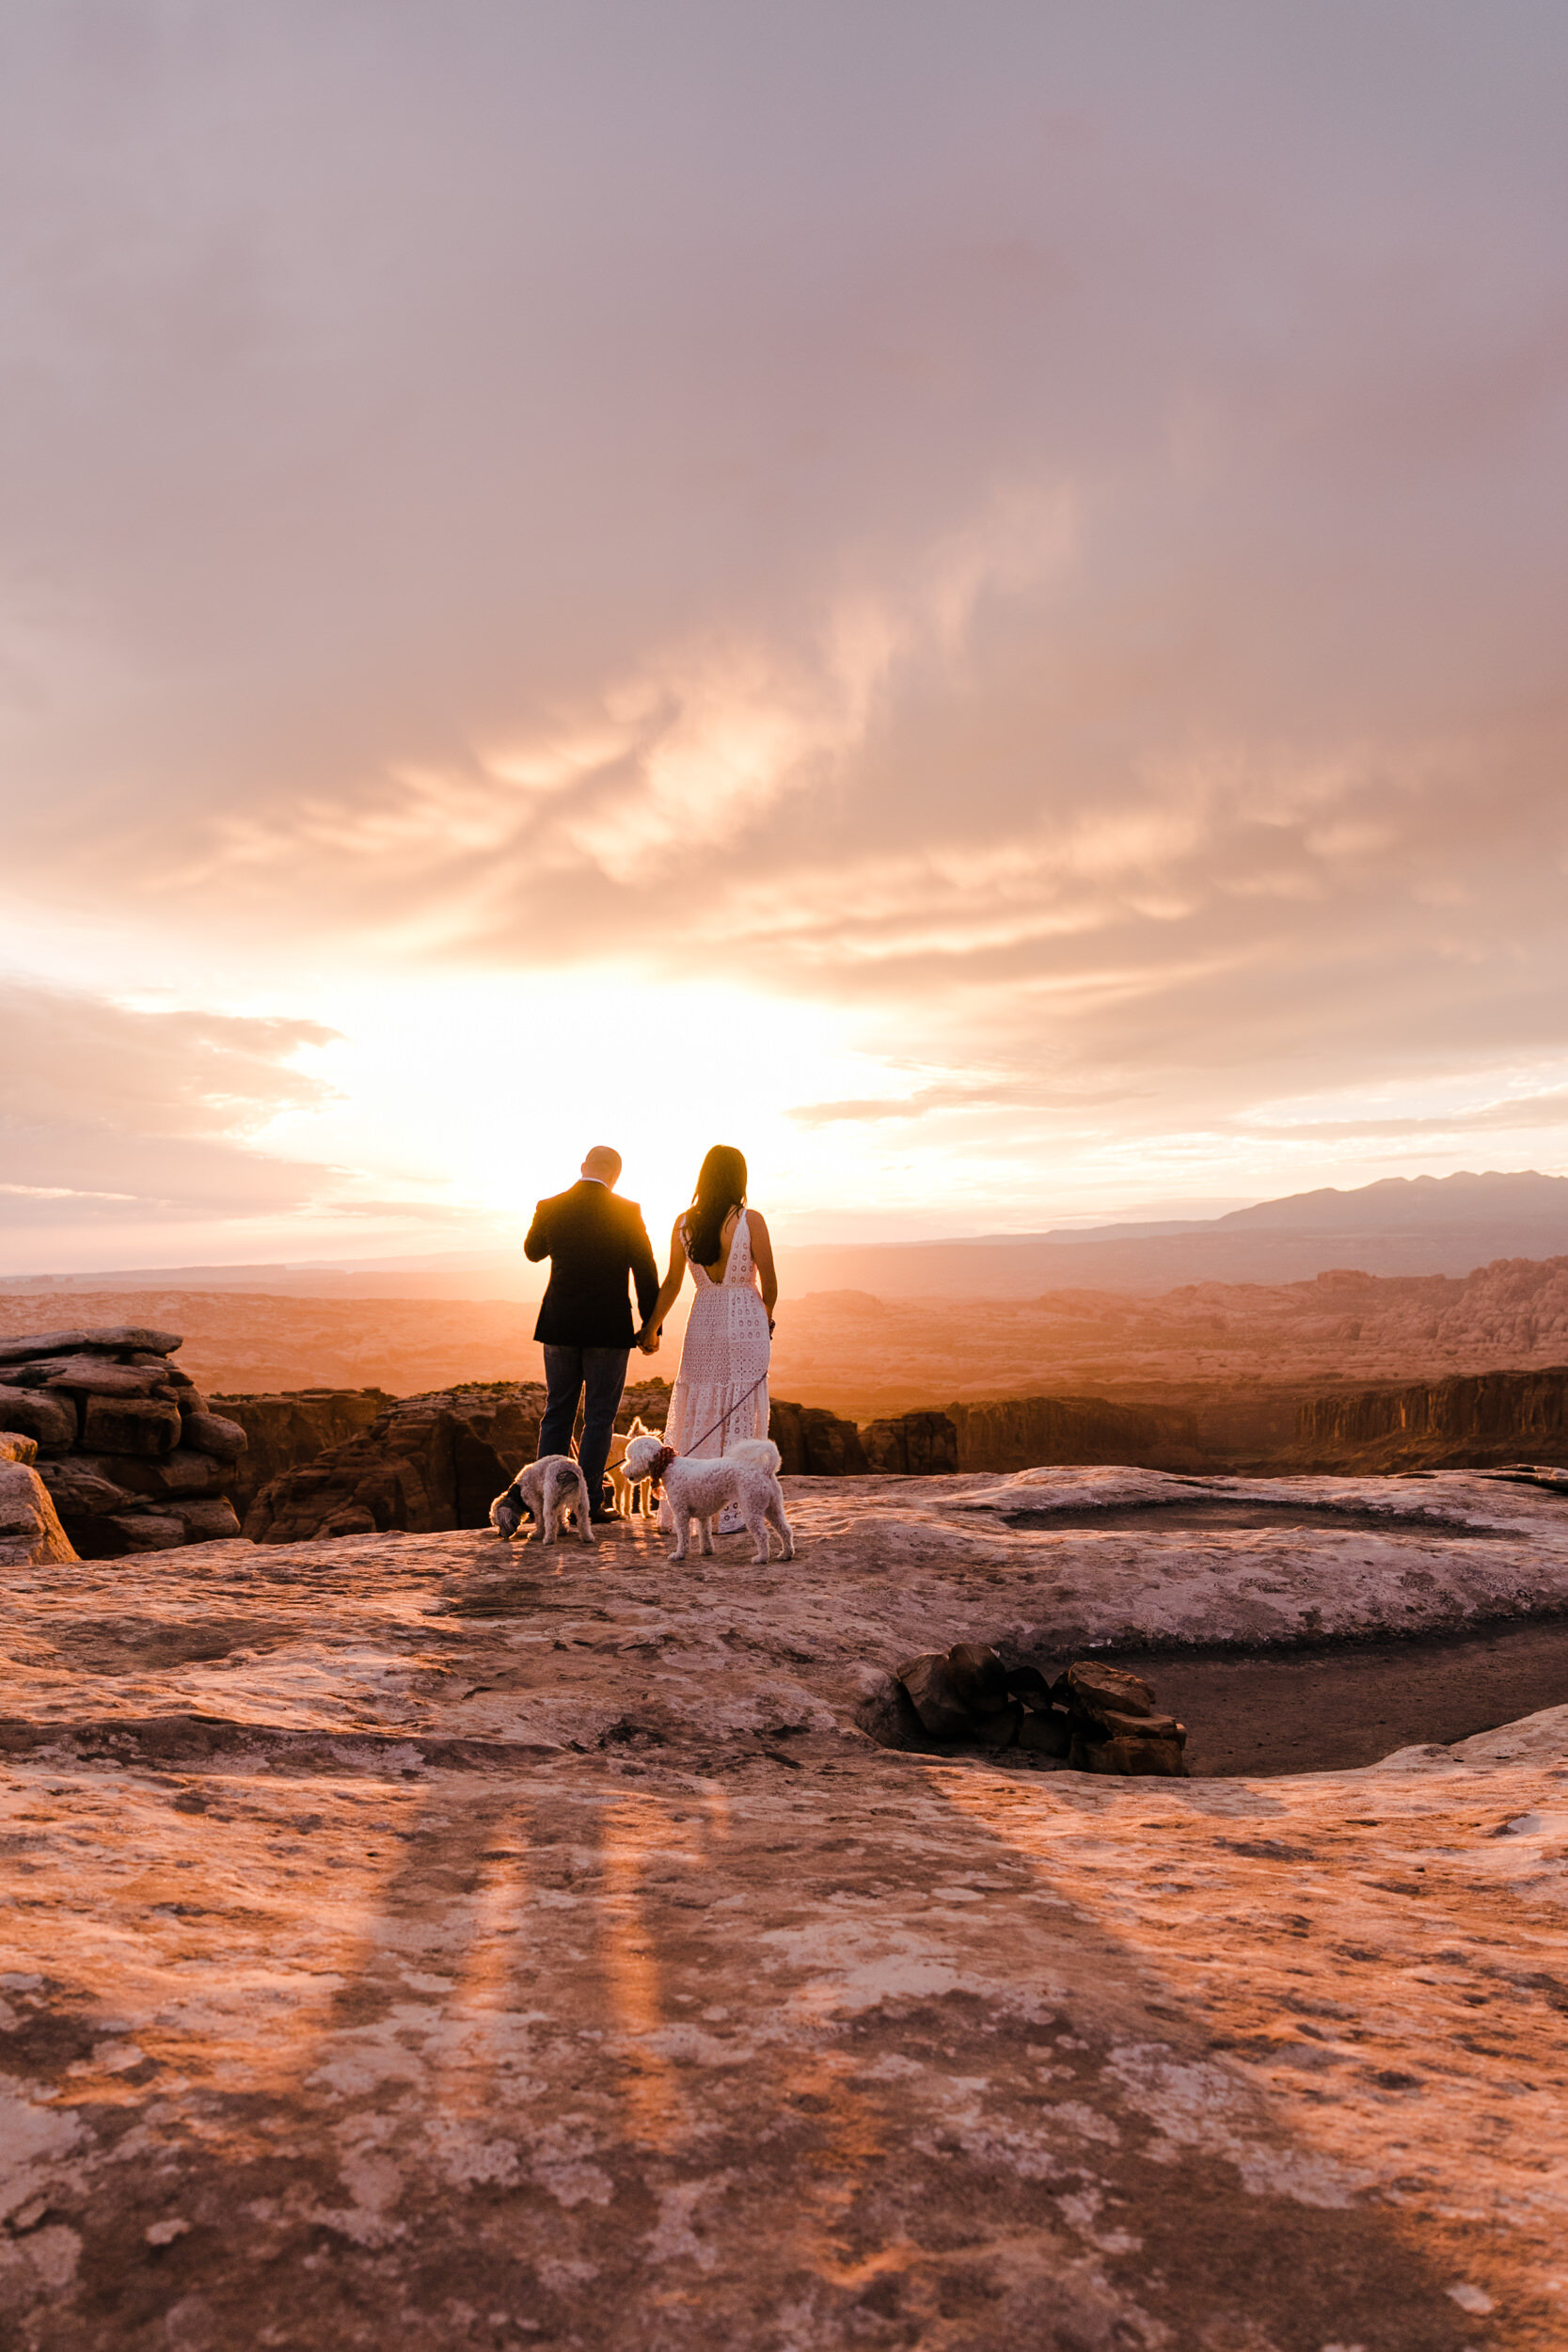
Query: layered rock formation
point(1489, 1417)
point(132, 1456)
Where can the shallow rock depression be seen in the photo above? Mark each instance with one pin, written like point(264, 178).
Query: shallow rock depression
point(430, 1942)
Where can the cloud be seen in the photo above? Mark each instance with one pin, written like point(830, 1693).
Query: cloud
point(1047, 545)
point(108, 1106)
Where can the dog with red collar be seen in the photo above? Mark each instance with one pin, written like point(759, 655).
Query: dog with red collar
point(699, 1487)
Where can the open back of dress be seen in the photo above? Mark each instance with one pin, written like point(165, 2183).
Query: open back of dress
point(726, 1354)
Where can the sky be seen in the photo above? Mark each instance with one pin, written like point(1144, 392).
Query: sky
point(967, 598)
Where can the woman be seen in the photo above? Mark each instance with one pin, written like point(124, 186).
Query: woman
point(721, 1392)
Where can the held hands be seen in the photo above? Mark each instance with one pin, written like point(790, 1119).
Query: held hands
point(647, 1340)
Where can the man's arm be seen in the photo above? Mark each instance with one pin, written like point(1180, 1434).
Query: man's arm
point(538, 1243)
point(644, 1268)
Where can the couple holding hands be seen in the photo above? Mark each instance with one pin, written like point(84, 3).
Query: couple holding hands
point(594, 1242)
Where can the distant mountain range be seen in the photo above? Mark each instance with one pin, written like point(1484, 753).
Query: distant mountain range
point(1399, 1225)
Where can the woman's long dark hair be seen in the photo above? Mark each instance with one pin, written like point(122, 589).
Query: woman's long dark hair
point(720, 1188)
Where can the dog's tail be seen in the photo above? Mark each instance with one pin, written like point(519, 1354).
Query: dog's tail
point(760, 1453)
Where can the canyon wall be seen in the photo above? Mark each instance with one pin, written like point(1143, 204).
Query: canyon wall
point(1467, 1423)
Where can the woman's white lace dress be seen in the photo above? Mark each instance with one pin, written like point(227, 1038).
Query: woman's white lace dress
point(725, 1352)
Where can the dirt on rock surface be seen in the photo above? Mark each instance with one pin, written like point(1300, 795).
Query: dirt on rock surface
point(421, 1942)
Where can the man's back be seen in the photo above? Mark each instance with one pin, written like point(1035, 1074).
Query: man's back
point(593, 1241)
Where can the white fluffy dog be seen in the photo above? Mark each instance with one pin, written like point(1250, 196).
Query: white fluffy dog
point(701, 1486)
point(549, 1487)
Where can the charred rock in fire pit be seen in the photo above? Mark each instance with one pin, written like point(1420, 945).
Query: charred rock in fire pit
point(1116, 1727)
point(936, 1700)
point(1095, 1717)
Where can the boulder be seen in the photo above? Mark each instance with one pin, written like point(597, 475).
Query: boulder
point(52, 1419)
point(131, 1425)
point(130, 1459)
point(1046, 1733)
point(1136, 1758)
point(82, 1488)
point(1000, 1728)
point(98, 1375)
point(938, 1702)
point(131, 1338)
point(30, 1531)
point(1095, 1691)
point(213, 1432)
point(978, 1678)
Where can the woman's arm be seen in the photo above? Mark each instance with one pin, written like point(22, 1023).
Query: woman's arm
point(762, 1258)
point(671, 1290)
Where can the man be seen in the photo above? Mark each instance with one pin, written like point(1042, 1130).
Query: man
point(593, 1242)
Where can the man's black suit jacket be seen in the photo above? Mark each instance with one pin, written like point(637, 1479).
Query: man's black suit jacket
point(593, 1241)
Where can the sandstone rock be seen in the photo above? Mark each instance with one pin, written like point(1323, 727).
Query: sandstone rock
point(1018, 1432)
point(83, 1488)
point(978, 1678)
point(886, 1712)
point(128, 1335)
point(429, 1463)
point(1474, 1421)
point(52, 1419)
point(1001, 1728)
point(95, 1376)
point(30, 1532)
point(182, 1472)
point(130, 1426)
point(814, 1442)
point(286, 1430)
point(928, 1680)
point(207, 1519)
point(1132, 1758)
point(438, 1938)
point(16, 1446)
point(1029, 1684)
point(1046, 1733)
point(912, 1444)
point(1095, 1690)
point(211, 1433)
point(146, 1531)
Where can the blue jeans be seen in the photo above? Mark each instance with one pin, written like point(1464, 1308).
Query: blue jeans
point(568, 1371)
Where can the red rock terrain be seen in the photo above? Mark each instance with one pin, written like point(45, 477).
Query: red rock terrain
point(425, 1943)
point(865, 1356)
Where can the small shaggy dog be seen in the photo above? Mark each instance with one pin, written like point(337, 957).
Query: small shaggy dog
point(700, 1487)
point(624, 1488)
point(549, 1487)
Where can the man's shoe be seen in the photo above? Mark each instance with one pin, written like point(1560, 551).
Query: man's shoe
point(604, 1518)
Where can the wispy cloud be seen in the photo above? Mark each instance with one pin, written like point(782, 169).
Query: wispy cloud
point(1068, 583)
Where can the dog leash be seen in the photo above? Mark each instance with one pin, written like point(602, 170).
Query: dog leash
point(725, 1415)
point(667, 1453)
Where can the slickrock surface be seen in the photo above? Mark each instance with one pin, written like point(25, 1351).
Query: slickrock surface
point(419, 1942)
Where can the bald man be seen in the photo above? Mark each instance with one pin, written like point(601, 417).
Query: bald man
point(594, 1243)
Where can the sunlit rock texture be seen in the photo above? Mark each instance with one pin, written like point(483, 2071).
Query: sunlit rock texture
point(133, 1459)
point(418, 1941)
